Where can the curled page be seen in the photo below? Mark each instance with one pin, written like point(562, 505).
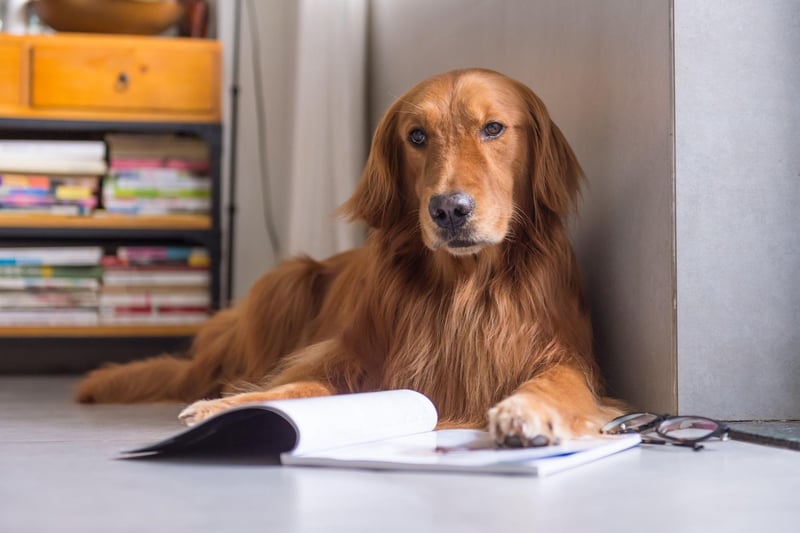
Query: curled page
point(308, 424)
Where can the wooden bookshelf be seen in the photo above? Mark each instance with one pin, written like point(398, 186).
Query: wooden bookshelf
point(73, 86)
point(97, 331)
point(102, 219)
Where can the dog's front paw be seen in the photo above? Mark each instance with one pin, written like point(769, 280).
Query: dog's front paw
point(202, 410)
point(520, 421)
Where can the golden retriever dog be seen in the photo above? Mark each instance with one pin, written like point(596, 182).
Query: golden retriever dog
point(467, 289)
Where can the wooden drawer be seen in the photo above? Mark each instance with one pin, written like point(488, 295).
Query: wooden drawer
point(123, 77)
point(10, 74)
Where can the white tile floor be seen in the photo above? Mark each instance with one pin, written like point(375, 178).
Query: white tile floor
point(58, 472)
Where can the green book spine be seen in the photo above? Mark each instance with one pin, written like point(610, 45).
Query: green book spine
point(12, 271)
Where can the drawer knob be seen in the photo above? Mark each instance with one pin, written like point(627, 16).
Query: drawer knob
point(122, 82)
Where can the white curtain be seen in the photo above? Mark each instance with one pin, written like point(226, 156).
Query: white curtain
point(329, 133)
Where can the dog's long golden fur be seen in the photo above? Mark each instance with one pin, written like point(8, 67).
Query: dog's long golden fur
point(467, 289)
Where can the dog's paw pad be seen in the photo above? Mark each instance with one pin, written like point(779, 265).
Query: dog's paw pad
point(513, 423)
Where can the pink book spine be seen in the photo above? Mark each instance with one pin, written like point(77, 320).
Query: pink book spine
point(180, 164)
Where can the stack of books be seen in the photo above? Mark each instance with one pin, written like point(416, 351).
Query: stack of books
point(157, 175)
point(49, 286)
point(55, 177)
point(155, 285)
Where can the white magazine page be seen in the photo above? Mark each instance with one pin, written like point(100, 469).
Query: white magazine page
point(335, 421)
point(465, 451)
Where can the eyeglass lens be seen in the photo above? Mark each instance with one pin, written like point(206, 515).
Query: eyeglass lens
point(687, 428)
point(630, 423)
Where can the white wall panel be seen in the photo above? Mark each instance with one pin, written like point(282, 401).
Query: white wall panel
point(737, 115)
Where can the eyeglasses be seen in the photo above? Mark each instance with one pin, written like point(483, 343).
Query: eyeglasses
point(686, 431)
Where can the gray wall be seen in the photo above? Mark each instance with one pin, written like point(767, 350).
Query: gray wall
point(737, 115)
point(604, 71)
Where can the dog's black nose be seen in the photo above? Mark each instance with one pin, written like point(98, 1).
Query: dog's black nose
point(451, 211)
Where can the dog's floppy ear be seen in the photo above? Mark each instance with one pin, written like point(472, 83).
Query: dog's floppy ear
point(377, 198)
point(556, 174)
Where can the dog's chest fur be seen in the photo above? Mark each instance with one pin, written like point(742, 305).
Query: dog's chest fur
point(465, 344)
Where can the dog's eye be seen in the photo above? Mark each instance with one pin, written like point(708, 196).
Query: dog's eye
point(492, 130)
point(417, 136)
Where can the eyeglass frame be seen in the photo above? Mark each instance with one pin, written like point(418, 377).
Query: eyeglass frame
point(722, 430)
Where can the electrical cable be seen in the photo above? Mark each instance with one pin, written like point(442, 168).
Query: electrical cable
point(234, 127)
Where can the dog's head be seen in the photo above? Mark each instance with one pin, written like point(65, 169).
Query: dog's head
point(467, 153)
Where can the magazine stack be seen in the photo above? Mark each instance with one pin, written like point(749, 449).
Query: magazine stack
point(157, 175)
point(54, 286)
point(50, 177)
point(160, 285)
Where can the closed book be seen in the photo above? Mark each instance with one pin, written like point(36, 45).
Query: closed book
point(95, 272)
point(145, 278)
point(156, 206)
point(192, 256)
point(196, 166)
point(52, 165)
point(56, 256)
point(117, 190)
point(154, 320)
point(67, 317)
point(47, 299)
point(74, 192)
point(139, 311)
point(198, 299)
point(39, 149)
point(23, 182)
point(57, 209)
point(154, 289)
point(113, 263)
point(156, 146)
point(45, 182)
point(127, 310)
point(49, 283)
point(156, 174)
point(181, 310)
point(34, 196)
point(46, 205)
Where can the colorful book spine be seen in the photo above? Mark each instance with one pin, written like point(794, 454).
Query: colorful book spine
point(45, 182)
point(160, 174)
point(95, 272)
point(39, 148)
point(55, 256)
point(115, 191)
point(158, 278)
point(58, 209)
point(61, 166)
point(134, 310)
point(171, 163)
point(198, 299)
point(156, 206)
point(48, 299)
point(163, 254)
point(39, 317)
point(36, 194)
point(156, 320)
point(49, 283)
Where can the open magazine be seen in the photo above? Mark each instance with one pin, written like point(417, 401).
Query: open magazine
point(390, 430)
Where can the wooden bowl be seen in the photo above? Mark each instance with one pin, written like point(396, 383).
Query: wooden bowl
point(110, 16)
